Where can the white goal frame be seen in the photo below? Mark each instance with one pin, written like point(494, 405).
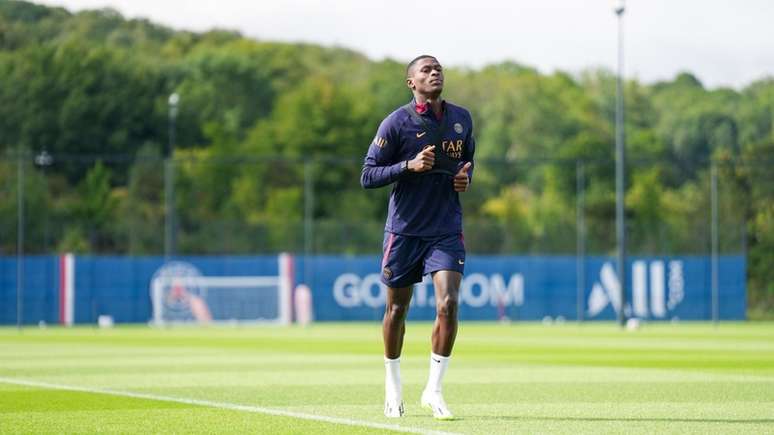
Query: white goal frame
point(283, 284)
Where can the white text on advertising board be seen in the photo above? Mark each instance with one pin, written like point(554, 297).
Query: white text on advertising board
point(477, 290)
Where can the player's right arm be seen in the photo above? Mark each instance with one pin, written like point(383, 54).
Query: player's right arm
point(383, 165)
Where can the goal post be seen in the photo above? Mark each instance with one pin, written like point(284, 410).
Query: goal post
point(182, 295)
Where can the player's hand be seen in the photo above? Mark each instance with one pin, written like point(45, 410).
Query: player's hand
point(424, 161)
point(461, 180)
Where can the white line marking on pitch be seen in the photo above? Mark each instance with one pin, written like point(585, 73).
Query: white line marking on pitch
point(224, 405)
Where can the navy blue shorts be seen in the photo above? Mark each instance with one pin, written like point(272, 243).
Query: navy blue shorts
point(407, 258)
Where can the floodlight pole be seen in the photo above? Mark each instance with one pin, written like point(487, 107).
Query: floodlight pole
point(169, 182)
point(620, 160)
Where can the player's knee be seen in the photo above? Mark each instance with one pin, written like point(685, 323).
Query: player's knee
point(397, 311)
point(447, 307)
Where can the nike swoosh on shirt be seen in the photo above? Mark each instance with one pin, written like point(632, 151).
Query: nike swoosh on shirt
point(421, 134)
point(461, 261)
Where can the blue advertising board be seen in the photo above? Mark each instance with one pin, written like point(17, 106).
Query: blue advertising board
point(348, 288)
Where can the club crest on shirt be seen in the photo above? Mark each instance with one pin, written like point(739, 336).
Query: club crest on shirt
point(458, 127)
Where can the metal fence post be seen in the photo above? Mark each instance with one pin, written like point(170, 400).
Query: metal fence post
point(19, 237)
point(714, 237)
point(308, 207)
point(308, 219)
point(581, 236)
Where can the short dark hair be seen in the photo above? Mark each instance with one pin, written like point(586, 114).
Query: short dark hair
point(417, 59)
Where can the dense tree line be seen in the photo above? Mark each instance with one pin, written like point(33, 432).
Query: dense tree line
point(269, 134)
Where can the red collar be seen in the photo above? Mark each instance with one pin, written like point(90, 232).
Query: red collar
point(422, 108)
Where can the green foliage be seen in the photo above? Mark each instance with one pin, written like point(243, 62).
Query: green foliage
point(92, 211)
point(36, 198)
point(141, 206)
point(76, 99)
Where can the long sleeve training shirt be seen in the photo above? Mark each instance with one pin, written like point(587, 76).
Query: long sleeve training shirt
point(421, 204)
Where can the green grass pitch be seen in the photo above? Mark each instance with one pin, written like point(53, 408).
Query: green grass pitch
point(328, 378)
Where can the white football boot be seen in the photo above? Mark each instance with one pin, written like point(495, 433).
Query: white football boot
point(393, 407)
point(434, 401)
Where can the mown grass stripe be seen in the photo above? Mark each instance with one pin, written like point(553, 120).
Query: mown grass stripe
point(223, 405)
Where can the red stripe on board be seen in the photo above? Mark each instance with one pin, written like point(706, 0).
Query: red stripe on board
point(291, 280)
point(62, 289)
point(387, 251)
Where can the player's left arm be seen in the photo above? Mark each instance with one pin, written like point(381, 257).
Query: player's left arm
point(465, 174)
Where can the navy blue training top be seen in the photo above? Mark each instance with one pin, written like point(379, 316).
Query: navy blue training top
point(421, 204)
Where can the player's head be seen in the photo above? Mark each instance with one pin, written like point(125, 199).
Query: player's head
point(424, 75)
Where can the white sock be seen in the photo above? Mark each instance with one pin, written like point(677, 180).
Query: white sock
point(438, 365)
point(392, 386)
